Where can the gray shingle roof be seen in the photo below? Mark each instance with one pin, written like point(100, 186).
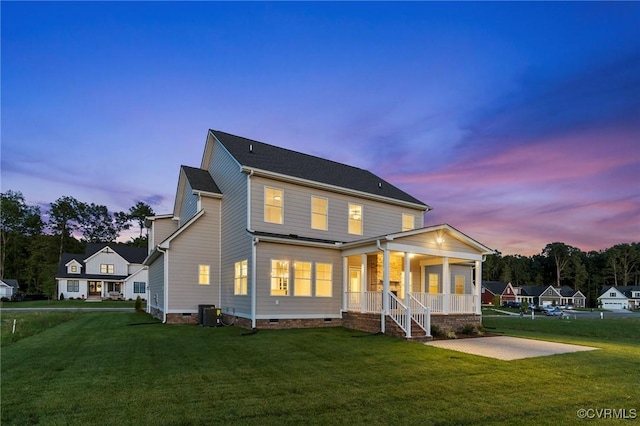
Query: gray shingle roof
point(200, 180)
point(495, 287)
point(129, 253)
point(259, 155)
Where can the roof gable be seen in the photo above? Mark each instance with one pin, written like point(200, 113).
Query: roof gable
point(494, 287)
point(130, 254)
point(261, 156)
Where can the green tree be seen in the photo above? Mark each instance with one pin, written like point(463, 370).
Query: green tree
point(139, 212)
point(64, 216)
point(561, 254)
point(623, 260)
point(17, 221)
point(98, 225)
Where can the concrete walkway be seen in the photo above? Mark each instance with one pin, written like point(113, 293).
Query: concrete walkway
point(507, 348)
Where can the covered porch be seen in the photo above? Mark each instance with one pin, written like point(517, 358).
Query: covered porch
point(413, 275)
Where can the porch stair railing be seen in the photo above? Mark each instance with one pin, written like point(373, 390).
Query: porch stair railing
point(420, 314)
point(398, 313)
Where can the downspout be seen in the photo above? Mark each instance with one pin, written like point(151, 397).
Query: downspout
point(253, 283)
point(166, 284)
point(249, 200)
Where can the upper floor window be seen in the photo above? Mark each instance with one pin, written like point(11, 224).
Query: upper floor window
point(323, 279)
point(612, 294)
point(240, 278)
point(106, 268)
point(203, 274)
point(273, 198)
point(319, 213)
point(408, 222)
point(279, 277)
point(74, 269)
point(355, 219)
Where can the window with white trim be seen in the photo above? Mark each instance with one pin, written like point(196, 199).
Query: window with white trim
point(139, 287)
point(319, 213)
point(324, 279)
point(203, 274)
point(273, 198)
point(355, 219)
point(73, 286)
point(240, 278)
point(459, 280)
point(74, 268)
point(302, 278)
point(434, 283)
point(106, 268)
point(408, 222)
point(279, 277)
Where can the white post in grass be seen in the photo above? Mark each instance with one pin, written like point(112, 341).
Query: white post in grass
point(13, 331)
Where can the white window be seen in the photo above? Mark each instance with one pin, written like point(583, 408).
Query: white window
point(434, 283)
point(355, 219)
point(273, 198)
point(106, 268)
point(139, 287)
point(459, 284)
point(74, 268)
point(408, 222)
point(203, 274)
point(302, 279)
point(240, 280)
point(612, 294)
point(324, 281)
point(73, 286)
point(279, 277)
point(319, 213)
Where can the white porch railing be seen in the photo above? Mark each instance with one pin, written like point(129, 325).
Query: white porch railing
point(398, 312)
point(372, 302)
point(420, 314)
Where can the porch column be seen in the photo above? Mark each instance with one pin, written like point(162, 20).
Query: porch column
point(385, 288)
point(407, 285)
point(446, 285)
point(363, 283)
point(478, 297)
point(345, 282)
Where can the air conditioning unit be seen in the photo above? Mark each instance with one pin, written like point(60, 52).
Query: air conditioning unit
point(211, 317)
point(201, 309)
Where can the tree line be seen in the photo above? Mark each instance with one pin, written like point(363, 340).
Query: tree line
point(31, 247)
point(561, 264)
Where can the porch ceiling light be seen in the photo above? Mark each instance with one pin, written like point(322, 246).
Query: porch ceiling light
point(440, 240)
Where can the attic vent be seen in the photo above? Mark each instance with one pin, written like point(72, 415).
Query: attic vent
point(251, 147)
point(379, 184)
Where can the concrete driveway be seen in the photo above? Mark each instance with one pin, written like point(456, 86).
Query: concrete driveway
point(507, 348)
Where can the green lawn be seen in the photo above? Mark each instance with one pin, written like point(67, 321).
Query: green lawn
point(70, 304)
point(125, 368)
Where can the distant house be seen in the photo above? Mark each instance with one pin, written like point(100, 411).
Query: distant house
point(491, 289)
point(104, 271)
point(550, 295)
point(619, 297)
point(8, 287)
point(277, 238)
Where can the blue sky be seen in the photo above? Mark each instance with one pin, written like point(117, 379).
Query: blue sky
point(519, 123)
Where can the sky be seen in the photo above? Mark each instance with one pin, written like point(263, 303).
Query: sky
point(517, 122)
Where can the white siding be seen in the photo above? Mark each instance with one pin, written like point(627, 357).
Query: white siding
point(111, 258)
point(274, 306)
point(199, 244)
point(378, 218)
point(235, 241)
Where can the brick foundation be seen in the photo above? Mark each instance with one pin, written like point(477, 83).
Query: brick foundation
point(265, 324)
point(182, 318)
point(455, 323)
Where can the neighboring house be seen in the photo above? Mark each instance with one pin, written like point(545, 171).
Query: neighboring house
point(550, 295)
point(8, 287)
point(491, 289)
point(104, 271)
point(619, 297)
point(277, 238)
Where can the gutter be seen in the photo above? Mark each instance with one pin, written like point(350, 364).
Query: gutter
point(166, 283)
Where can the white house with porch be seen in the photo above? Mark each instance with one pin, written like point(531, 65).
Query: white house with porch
point(276, 238)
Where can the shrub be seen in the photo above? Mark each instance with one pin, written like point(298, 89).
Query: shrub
point(451, 335)
point(468, 329)
point(138, 304)
point(435, 331)
point(4, 299)
point(61, 296)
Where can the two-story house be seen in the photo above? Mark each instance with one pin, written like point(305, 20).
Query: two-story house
point(112, 270)
point(278, 238)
